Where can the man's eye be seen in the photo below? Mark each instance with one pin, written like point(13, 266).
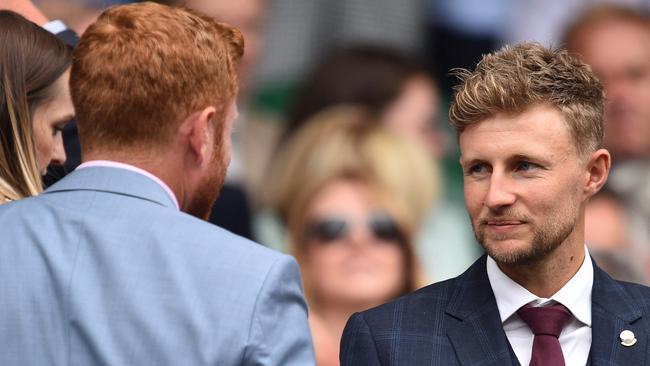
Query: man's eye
point(477, 169)
point(526, 166)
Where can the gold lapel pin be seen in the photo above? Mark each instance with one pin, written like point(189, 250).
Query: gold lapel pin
point(627, 338)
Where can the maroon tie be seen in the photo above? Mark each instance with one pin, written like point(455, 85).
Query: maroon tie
point(546, 323)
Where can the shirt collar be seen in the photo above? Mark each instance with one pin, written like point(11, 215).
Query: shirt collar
point(115, 164)
point(511, 296)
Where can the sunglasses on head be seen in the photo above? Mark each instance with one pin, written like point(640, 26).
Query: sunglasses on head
point(328, 229)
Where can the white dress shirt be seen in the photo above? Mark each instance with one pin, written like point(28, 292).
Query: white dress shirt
point(575, 338)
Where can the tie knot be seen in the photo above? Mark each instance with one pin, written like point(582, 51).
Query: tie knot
point(548, 320)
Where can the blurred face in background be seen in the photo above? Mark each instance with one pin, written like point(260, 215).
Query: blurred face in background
point(606, 224)
point(619, 53)
point(49, 118)
point(414, 113)
point(353, 256)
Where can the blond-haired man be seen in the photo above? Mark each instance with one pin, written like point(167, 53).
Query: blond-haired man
point(530, 125)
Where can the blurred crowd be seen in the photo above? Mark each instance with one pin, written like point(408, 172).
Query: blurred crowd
point(343, 155)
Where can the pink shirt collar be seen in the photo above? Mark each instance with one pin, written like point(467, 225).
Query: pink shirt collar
point(115, 164)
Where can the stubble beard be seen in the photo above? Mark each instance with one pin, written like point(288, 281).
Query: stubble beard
point(208, 189)
point(545, 240)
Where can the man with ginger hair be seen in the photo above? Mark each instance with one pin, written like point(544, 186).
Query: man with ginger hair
point(114, 265)
point(530, 127)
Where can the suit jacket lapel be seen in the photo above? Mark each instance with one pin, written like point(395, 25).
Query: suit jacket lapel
point(474, 324)
point(613, 310)
point(114, 180)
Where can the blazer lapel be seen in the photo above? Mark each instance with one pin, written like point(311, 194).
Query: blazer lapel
point(474, 325)
point(613, 310)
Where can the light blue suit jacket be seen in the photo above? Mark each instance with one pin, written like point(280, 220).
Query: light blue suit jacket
point(102, 269)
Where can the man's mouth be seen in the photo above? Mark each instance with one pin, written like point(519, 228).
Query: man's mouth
point(503, 226)
point(503, 222)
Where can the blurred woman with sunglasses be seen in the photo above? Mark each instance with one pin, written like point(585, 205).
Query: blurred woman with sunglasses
point(351, 195)
point(35, 104)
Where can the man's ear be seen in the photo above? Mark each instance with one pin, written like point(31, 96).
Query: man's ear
point(199, 132)
point(598, 167)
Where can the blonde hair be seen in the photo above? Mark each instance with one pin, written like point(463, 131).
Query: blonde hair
point(344, 143)
point(514, 79)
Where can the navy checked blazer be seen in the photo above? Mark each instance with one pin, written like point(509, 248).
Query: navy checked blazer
point(456, 322)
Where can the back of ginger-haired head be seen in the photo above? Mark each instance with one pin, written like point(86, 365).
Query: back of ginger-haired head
point(140, 69)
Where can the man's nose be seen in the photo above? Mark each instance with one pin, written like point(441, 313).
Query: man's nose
point(500, 193)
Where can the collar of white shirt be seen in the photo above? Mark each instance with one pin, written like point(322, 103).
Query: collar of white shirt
point(115, 164)
point(510, 296)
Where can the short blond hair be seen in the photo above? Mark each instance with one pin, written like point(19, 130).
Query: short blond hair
point(517, 78)
point(345, 143)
